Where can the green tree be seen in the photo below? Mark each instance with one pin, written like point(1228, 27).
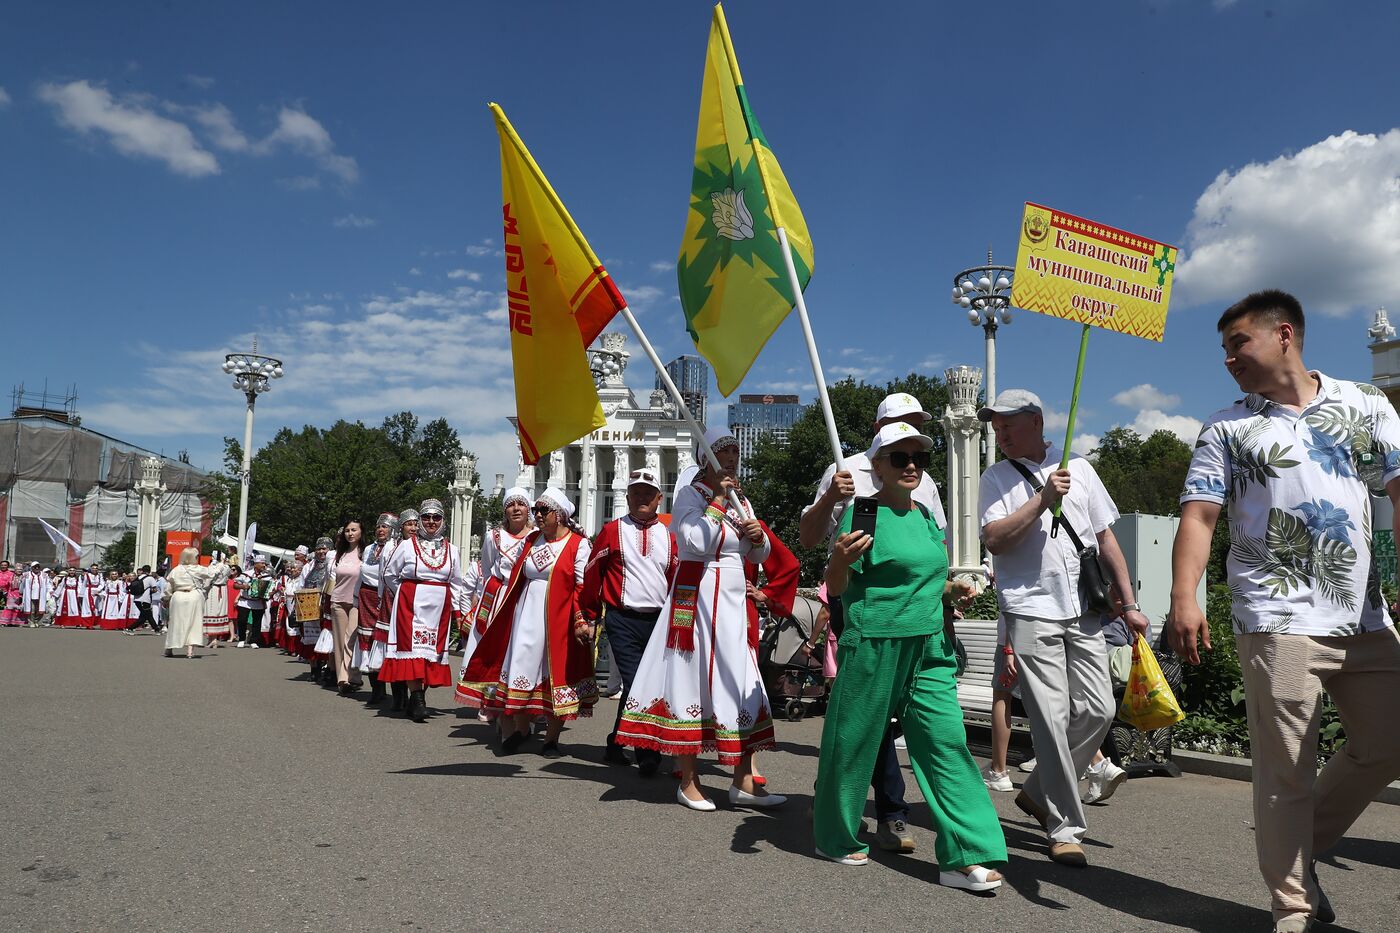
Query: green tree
point(782, 478)
point(307, 483)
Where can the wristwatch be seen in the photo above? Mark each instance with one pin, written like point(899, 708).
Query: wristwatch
point(1130, 607)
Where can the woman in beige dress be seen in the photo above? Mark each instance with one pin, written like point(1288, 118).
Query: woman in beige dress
point(185, 589)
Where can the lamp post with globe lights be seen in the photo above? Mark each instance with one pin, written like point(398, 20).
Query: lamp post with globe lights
point(985, 293)
point(605, 364)
point(252, 375)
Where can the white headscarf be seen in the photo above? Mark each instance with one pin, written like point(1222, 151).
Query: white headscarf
point(557, 499)
point(517, 492)
point(717, 439)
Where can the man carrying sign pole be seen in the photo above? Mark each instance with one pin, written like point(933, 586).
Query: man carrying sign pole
point(1037, 516)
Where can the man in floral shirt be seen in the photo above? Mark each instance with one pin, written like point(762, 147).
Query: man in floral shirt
point(1297, 460)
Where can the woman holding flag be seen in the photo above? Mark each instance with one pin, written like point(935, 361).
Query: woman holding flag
point(698, 687)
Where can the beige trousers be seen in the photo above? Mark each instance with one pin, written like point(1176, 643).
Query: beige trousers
point(1299, 813)
point(345, 619)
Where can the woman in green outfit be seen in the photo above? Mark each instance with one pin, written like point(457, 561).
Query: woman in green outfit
point(895, 658)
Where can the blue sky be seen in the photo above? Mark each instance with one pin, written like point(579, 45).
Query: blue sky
point(178, 177)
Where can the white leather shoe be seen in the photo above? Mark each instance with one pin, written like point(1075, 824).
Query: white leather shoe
point(744, 799)
point(704, 804)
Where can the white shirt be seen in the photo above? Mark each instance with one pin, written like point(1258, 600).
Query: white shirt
point(1300, 513)
point(867, 484)
point(147, 581)
point(1038, 576)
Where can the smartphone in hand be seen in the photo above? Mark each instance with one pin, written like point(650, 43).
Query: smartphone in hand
point(866, 508)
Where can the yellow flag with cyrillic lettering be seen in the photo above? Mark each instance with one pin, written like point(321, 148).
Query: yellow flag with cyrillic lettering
point(734, 285)
point(558, 299)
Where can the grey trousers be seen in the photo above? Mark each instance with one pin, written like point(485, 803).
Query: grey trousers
point(1063, 673)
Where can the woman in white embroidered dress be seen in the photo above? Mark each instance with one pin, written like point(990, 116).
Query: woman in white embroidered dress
point(543, 663)
point(217, 625)
point(369, 608)
point(698, 687)
point(502, 543)
point(425, 575)
point(186, 586)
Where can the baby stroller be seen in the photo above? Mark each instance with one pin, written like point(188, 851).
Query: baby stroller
point(793, 680)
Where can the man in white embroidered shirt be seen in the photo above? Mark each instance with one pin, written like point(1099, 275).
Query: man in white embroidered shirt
point(1055, 633)
point(625, 584)
point(1297, 460)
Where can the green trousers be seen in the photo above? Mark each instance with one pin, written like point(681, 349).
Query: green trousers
point(914, 679)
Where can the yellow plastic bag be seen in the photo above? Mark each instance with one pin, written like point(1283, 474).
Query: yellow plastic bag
point(1148, 703)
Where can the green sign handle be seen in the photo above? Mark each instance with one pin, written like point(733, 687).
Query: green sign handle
point(1074, 403)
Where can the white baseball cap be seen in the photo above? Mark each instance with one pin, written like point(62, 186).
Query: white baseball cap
point(900, 405)
point(894, 433)
point(1011, 402)
point(643, 477)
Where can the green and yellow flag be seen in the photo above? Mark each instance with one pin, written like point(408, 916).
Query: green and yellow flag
point(733, 281)
point(558, 298)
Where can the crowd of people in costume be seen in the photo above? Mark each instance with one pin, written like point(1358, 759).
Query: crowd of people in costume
point(680, 604)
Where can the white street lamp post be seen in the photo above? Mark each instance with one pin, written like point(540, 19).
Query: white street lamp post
point(603, 364)
point(985, 293)
point(252, 375)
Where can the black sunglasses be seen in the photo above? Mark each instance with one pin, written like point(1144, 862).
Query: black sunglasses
point(542, 509)
point(900, 459)
point(432, 518)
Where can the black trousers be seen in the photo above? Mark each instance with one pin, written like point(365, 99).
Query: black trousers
point(628, 633)
point(250, 625)
point(143, 617)
point(888, 780)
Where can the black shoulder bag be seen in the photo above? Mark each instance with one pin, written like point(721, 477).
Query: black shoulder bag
point(1093, 582)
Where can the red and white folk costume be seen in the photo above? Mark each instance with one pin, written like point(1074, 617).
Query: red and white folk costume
point(217, 626)
point(698, 687)
point(92, 584)
point(72, 604)
point(632, 566)
point(498, 553)
point(528, 660)
point(35, 589)
point(368, 596)
point(116, 609)
point(425, 577)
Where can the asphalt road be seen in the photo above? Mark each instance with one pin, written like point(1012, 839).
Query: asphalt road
point(227, 793)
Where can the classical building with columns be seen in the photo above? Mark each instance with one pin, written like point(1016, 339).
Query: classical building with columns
point(593, 471)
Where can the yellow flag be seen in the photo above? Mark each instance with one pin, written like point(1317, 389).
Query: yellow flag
point(559, 298)
point(733, 279)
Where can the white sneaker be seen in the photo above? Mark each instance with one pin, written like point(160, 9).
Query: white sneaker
point(1104, 778)
point(900, 743)
point(254, 646)
point(997, 780)
point(242, 644)
point(1027, 766)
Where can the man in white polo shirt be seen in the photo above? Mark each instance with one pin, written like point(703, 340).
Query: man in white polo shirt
point(820, 520)
point(1060, 651)
point(1297, 460)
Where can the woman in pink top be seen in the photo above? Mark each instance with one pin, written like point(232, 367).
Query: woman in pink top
point(349, 548)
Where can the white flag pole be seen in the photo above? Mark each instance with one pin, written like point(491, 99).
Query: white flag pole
point(670, 385)
point(812, 354)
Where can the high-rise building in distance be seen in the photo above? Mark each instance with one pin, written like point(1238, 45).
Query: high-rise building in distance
point(691, 374)
point(756, 415)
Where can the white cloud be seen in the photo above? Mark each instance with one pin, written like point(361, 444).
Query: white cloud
point(464, 274)
point(199, 81)
point(300, 183)
point(1183, 426)
point(1056, 420)
point(1083, 444)
point(415, 271)
point(478, 251)
point(664, 265)
point(219, 125)
point(303, 133)
point(353, 222)
point(1322, 223)
point(130, 125)
point(1146, 396)
point(437, 353)
point(4, 97)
